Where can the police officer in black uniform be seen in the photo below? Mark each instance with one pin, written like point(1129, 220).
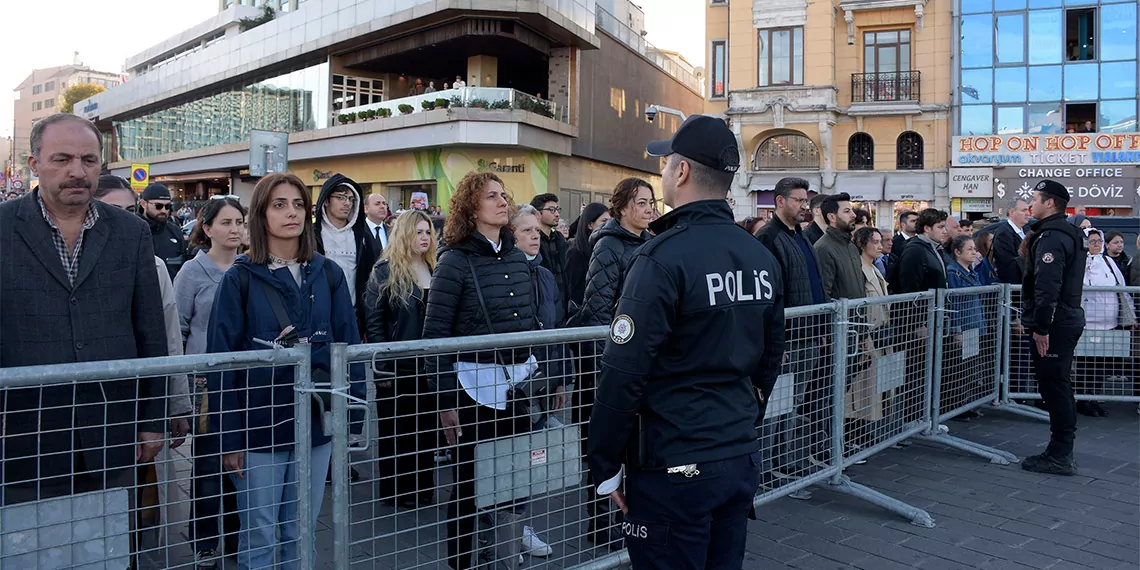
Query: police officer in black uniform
point(697, 342)
point(1052, 314)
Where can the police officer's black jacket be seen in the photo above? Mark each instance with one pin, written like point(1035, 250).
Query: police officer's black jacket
point(699, 328)
point(613, 248)
point(169, 243)
point(1054, 275)
point(453, 306)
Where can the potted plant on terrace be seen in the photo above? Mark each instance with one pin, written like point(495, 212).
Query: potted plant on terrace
point(500, 104)
point(441, 103)
point(406, 109)
point(479, 103)
point(342, 119)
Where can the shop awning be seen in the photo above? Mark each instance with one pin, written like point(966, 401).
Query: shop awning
point(862, 186)
point(766, 182)
point(909, 186)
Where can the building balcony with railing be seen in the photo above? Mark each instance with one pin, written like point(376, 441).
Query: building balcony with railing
point(886, 93)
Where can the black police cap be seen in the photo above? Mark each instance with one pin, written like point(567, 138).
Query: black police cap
point(702, 138)
point(1053, 189)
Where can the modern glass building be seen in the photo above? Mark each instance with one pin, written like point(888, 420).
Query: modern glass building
point(1047, 66)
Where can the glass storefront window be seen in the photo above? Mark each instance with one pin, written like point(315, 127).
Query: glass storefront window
point(1045, 38)
point(1011, 38)
point(1003, 5)
point(1117, 117)
point(981, 82)
point(1010, 120)
point(1081, 82)
point(293, 102)
point(1044, 3)
point(1045, 83)
point(1118, 79)
point(1118, 32)
point(1009, 85)
point(977, 41)
point(1046, 119)
point(975, 6)
point(977, 120)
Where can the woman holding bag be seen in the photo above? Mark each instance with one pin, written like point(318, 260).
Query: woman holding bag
point(482, 285)
point(282, 279)
point(394, 305)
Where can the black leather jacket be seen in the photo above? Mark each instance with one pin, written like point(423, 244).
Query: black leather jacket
point(388, 319)
point(1054, 276)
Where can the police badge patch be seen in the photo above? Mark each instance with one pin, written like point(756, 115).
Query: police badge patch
point(621, 331)
point(1047, 258)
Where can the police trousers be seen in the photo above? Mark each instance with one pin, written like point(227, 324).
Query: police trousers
point(695, 522)
point(1054, 373)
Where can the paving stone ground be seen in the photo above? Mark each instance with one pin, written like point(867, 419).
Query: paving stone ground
point(988, 516)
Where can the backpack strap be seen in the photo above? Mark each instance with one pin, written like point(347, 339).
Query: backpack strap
point(274, 297)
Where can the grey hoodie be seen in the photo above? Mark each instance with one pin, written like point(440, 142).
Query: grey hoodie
point(194, 293)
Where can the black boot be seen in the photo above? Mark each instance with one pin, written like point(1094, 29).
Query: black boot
point(1050, 464)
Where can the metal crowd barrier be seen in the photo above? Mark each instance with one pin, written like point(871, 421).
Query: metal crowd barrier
point(1106, 363)
point(860, 376)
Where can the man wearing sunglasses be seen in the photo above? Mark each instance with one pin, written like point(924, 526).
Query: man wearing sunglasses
point(169, 244)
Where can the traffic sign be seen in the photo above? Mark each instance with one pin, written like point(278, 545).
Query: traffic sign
point(140, 176)
point(17, 184)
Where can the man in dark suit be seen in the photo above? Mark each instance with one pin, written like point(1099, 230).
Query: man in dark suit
point(1008, 236)
point(77, 284)
point(907, 220)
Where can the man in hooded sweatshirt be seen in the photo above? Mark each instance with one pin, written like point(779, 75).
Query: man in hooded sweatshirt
point(343, 235)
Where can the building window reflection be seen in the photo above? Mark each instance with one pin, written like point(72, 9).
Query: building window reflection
point(1118, 32)
point(293, 102)
point(792, 151)
point(909, 151)
point(1080, 40)
point(861, 152)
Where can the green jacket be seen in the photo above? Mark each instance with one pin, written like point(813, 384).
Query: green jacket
point(840, 266)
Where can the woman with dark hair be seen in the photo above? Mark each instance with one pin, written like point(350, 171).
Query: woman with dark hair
point(394, 305)
point(594, 216)
point(218, 235)
point(632, 209)
point(987, 274)
point(1114, 250)
point(482, 285)
point(282, 279)
point(963, 372)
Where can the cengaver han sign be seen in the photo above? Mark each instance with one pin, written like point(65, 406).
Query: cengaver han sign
point(1085, 149)
point(1097, 187)
point(971, 183)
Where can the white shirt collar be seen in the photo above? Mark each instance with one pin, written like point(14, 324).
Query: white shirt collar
point(496, 246)
point(1019, 231)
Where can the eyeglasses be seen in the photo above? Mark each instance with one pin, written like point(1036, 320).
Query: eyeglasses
point(345, 198)
point(553, 209)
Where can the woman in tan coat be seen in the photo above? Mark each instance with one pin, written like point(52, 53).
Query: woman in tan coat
point(864, 402)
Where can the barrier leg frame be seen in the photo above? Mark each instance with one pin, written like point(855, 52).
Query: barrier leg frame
point(1023, 410)
point(917, 516)
point(993, 454)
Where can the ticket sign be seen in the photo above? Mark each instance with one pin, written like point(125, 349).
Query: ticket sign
point(140, 176)
point(1086, 149)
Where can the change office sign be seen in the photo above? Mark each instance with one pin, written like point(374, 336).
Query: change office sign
point(1084, 149)
point(1096, 186)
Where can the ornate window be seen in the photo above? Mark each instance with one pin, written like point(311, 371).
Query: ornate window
point(860, 152)
point(909, 151)
point(786, 151)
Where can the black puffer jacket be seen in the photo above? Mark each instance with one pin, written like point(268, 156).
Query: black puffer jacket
point(613, 248)
point(387, 319)
point(553, 249)
point(781, 241)
point(453, 307)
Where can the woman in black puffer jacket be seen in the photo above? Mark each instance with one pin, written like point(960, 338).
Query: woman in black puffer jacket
point(632, 208)
point(480, 256)
point(594, 216)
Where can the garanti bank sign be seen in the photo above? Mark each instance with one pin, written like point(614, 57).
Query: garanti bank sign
point(1085, 149)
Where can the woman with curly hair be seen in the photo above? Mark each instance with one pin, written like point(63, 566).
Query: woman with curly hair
point(395, 301)
point(482, 285)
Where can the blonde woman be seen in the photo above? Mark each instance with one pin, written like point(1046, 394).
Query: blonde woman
point(394, 305)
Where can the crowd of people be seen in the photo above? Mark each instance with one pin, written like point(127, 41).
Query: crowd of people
point(114, 278)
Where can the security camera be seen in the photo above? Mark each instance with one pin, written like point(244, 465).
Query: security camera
point(651, 113)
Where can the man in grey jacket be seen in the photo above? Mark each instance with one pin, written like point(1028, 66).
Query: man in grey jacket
point(90, 270)
point(838, 257)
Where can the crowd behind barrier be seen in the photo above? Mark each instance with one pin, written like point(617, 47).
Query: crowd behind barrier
point(863, 375)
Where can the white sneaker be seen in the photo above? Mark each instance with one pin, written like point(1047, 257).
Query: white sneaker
point(533, 545)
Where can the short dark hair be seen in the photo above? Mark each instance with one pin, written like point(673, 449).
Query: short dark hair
point(830, 205)
point(716, 182)
point(863, 237)
point(38, 128)
point(861, 214)
point(1111, 236)
point(816, 201)
point(903, 215)
point(928, 218)
point(109, 183)
point(785, 186)
point(1059, 204)
point(624, 193)
point(966, 223)
point(539, 202)
point(959, 242)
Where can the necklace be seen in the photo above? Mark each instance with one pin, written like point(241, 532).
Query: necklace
point(273, 259)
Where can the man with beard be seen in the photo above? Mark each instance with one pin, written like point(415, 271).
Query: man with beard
point(839, 260)
point(169, 244)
